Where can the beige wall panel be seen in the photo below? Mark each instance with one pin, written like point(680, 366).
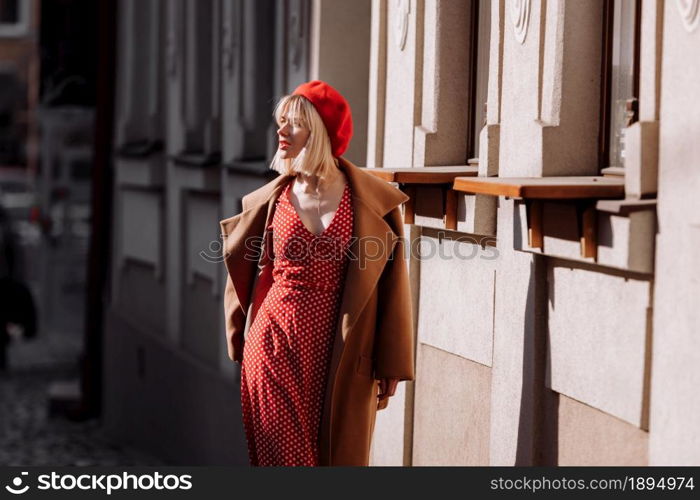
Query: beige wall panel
point(588, 436)
point(597, 339)
point(456, 298)
point(451, 410)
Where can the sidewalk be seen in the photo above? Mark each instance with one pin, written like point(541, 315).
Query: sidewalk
point(29, 437)
point(28, 434)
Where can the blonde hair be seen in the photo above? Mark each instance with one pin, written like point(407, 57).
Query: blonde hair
point(316, 157)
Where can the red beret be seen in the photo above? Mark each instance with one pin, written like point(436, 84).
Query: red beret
point(334, 110)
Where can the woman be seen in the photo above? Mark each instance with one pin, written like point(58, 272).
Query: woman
point(322, 326)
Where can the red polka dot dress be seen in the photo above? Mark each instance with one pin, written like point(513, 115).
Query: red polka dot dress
point(287, 351)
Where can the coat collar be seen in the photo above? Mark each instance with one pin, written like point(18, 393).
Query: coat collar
point(371, 247)
point(373, 192)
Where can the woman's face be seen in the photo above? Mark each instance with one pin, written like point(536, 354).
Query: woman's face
point(292, 136)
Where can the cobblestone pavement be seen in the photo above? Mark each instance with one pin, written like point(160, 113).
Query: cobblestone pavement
point(28, 436)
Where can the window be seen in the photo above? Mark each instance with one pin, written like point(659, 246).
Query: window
point(481, 33)
point(14, 18)
point(620, 77)
point(200, 81)
point(9, 11)
point(140, 113)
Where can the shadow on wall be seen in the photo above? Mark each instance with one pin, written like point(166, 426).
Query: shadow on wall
point(539, 406)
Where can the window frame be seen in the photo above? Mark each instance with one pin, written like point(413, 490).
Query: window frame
point(606, 99)
point(474, 128)
point(21, 27)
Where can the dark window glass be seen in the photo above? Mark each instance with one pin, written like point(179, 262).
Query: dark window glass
point(9, 11)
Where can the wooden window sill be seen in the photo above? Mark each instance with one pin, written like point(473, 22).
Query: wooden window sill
point(583, 191)
point(423, 175)
point(552, 188)
point(412, 178)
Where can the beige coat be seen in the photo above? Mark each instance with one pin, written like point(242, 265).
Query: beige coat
point(374, 336)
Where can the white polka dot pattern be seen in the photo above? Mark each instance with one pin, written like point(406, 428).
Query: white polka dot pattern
point(287, 351)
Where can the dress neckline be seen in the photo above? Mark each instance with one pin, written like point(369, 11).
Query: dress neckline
point(333, 219)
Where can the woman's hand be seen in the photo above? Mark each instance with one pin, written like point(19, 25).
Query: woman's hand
point(387, 388)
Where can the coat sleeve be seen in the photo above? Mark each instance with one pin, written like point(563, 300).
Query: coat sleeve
point(394, 333)
point(234, 315)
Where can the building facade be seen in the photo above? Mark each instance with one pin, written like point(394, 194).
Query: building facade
point(554, 283)
point(19, 72)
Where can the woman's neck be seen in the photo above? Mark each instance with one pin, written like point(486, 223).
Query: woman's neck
point(312, 183)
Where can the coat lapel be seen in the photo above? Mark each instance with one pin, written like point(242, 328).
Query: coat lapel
point(240, 258)
point(372, 244)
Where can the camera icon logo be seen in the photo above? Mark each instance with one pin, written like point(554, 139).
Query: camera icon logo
point(16, 488)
